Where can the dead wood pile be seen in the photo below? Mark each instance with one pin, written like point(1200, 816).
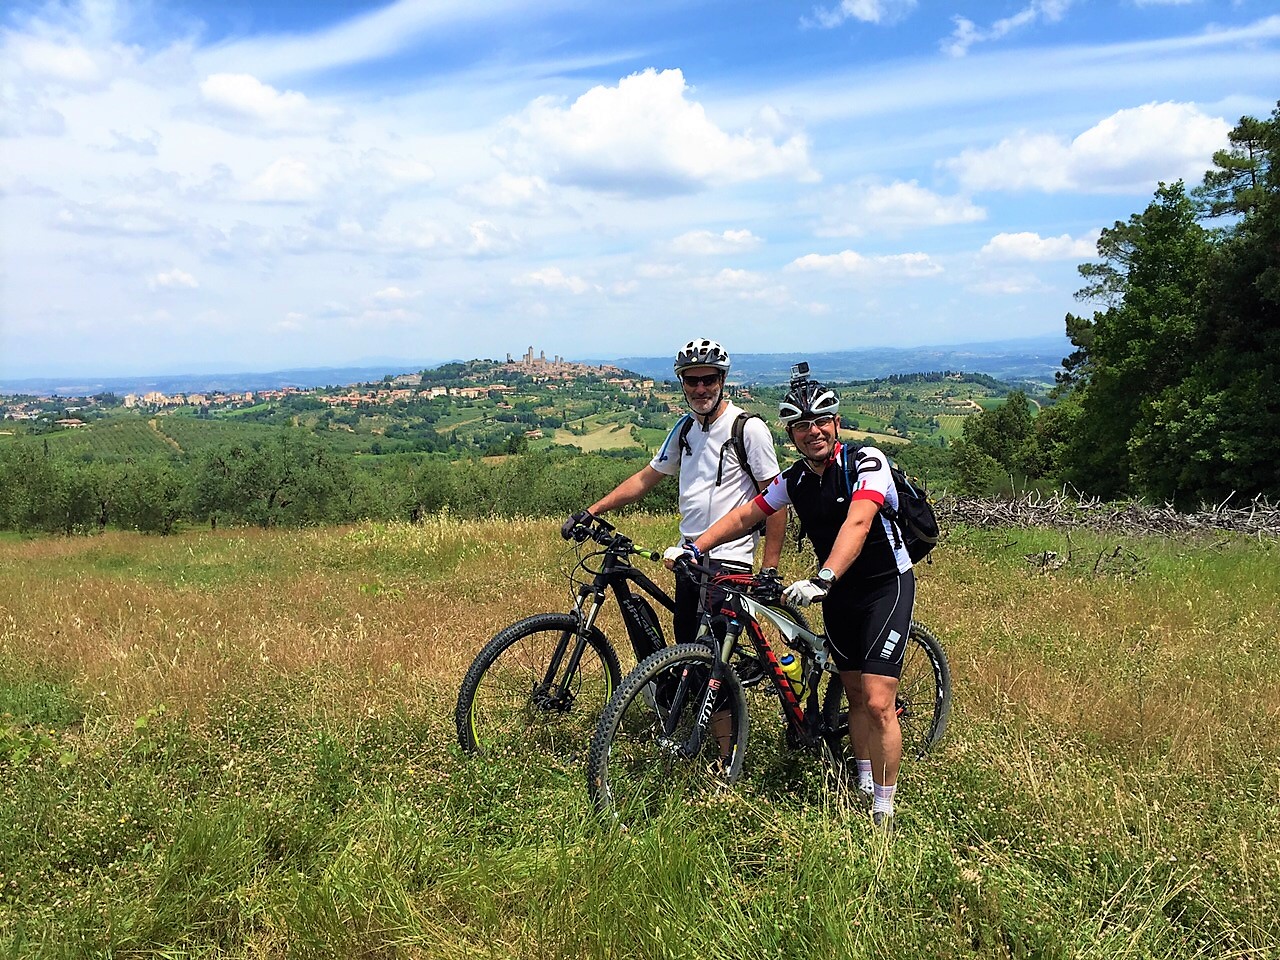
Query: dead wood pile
point(1257, 517)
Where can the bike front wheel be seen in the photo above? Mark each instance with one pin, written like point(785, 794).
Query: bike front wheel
point(660, 741)
point(924, 694)
point(524, 694)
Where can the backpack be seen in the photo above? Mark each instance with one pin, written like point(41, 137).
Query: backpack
point(735, 438)
point(915, 525)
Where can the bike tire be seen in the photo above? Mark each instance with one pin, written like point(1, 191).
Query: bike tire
point(924, 694)
point(633, 771)
point(499, 712)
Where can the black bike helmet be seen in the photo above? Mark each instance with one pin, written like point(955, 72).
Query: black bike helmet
point(701, 353)
point(806, 400)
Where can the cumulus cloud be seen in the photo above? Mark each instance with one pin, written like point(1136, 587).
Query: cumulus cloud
point(644, 137)
point(553, 278)
point(143, 144)
point(852, 263)
point(854, 210)
point(507, 191)
point(246, 101)
point(966, 33)
point(175, 279)
point(1032, 246)
point(389, 295)
point(742, 285)
point(125, 216)
point(287, 180)
point(706, 243)
point(1128, 152)
point(864, 11)
point(64, 63)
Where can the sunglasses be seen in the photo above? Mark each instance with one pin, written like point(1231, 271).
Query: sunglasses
point(802, 426)
point(710, 380)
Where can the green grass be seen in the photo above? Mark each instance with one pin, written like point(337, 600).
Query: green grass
point(240, 745)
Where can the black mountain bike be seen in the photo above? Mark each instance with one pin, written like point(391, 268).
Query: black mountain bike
point(541, 683)
point(692, 736)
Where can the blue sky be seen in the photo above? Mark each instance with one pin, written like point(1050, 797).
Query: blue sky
point(244, 185)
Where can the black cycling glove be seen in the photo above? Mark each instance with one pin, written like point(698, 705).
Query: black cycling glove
point(578, 519)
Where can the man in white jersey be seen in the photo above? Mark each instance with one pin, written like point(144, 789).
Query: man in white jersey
point(700, 453)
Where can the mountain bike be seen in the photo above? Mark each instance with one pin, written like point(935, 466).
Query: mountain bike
point(540, 683)
point(692, 738)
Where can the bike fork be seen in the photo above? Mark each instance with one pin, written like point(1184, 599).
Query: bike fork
point(558, 693)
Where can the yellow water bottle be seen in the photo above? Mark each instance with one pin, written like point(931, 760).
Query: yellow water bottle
point(794, 670)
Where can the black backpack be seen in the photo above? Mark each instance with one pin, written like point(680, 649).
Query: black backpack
point(914, 521)
point(735, 438)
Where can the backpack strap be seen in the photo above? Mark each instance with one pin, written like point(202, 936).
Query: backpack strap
point(682, 442)
point(887, 510)
point(736, 439)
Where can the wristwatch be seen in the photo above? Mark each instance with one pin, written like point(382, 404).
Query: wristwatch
point(827, 577)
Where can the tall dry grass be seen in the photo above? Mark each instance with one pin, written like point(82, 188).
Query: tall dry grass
point(262, 763)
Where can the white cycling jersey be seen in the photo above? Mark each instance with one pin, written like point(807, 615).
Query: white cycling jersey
point(702, 502)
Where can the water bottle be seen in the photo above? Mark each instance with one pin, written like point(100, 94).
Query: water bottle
point(794, 669)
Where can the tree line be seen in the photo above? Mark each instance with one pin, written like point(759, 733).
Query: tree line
point(292, 479)
point(1173, 391)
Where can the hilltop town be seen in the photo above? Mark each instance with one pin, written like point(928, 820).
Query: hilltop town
point(474, 379)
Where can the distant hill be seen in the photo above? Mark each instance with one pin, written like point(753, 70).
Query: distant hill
point(208, 382)
point(1030, 358)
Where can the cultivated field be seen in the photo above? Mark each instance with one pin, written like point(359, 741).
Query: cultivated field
point(240, 744)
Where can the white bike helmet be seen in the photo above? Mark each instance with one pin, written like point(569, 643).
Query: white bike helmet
point(701, 353)
point(807, 400)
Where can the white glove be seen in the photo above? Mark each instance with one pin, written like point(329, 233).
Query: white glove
point(804, 592)
point(686, 549)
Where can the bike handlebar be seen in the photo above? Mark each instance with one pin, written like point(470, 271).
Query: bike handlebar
point(605, 533)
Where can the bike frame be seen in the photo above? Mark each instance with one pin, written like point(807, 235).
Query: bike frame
point(744, 614)
point(617, 574)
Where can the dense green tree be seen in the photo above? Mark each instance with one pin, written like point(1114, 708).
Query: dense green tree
point(1151, 272)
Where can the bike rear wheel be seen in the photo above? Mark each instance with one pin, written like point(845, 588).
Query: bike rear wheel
point(512, 703)
point(644, 756)
point(924, 694)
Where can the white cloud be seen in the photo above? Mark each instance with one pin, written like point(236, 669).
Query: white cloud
point(247, 101)
point(61, 63)
point(860, 208)
point(706, 243)
point(175, 279)
point(490, 240)
point(1032, 246)
point(553, 278)
point(144, 144)
point(507, 191)
point(287, 180)
point(852, 263)
point(394, 295)
point(644, 137)
point(1129, 151)
point(967, 33)
point(126, 216)
point(864, 11)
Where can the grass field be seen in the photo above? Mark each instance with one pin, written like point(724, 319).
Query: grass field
point(240, 744)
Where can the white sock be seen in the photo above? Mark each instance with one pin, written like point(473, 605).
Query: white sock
point(865, 782)
point(883, 802)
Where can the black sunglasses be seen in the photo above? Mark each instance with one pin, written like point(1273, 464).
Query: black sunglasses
point(706, 381)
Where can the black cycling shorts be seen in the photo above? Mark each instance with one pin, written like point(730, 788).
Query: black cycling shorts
point(868, 626)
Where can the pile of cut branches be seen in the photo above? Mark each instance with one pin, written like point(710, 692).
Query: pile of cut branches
point(1257, 517)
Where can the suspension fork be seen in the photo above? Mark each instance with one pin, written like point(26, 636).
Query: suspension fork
point(548, 688)
point(719, 671)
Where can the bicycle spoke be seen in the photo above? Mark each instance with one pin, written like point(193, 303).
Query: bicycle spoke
point(517, 708)
point(646, 758)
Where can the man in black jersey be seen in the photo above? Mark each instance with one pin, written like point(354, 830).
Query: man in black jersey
point(865, 582)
